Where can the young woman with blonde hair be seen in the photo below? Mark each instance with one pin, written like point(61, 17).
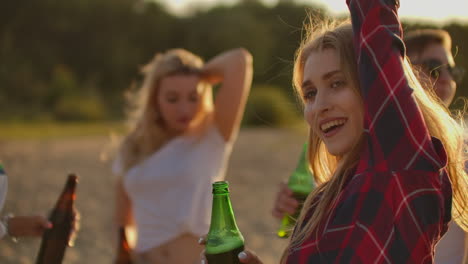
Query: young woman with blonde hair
point(178, 145)
point(386, 154)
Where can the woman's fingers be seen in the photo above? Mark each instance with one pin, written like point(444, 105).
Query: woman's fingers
point(76, 224)
point(24, 226)
point(285, 203)
point(248, 257)
point(42, 224)
point(203, 258)
point(202, 240)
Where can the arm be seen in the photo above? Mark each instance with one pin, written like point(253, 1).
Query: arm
point(123, 212)
point(398, 137)
point(23, 226)
point(465, 258)
point(123, 207)
point(234, 70)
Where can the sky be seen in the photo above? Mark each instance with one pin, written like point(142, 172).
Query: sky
point(423, 10)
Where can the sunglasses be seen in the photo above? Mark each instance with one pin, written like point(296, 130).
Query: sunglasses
point(435, 67)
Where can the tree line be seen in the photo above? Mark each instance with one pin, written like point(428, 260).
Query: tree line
point(74, 59)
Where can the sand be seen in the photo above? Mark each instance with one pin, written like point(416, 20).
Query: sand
point(37, 171)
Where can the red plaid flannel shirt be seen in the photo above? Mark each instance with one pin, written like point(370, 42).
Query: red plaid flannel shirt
point(397, 203)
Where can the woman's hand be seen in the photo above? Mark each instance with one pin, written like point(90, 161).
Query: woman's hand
point(211, 77)
point(246, 256)
point(249, 257)
point(28, 226)
point(36, 225)
point(285, 203)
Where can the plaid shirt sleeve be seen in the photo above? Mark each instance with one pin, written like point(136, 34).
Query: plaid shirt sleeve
point(404, 198)
point(397, 203)
point(397, 132)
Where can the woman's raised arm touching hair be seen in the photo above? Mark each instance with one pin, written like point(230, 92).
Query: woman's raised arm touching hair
point(233, 69)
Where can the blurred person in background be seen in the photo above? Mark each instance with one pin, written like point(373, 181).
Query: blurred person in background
point(19, 226)
point(179, 144)
point(430, 51)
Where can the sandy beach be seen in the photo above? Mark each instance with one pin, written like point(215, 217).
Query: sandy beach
point(37, 170)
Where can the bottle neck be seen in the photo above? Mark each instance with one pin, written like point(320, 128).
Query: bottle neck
point(224, 235)
point(222, 217)
point(301, 180)
point(68, 196)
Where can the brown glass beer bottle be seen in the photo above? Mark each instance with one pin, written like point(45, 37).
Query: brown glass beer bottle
point(55, 240)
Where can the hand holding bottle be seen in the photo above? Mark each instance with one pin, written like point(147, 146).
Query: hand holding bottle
point(28, 226)
point(246, 256)
point(224, 241)
point(292, 195)
point(285, 203)
point(65, 219)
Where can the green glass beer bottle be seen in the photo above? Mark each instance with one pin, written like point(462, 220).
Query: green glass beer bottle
point(224, 240)
point(56, 239)
point(301, 184)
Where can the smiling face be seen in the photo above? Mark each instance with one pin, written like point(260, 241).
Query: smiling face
point(179, 100)
point(333, 108)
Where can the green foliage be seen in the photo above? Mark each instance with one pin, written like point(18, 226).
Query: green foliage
point(268, 106)
point(79, 108)
point(58, 57)
point(70, 101)
point(53, 130)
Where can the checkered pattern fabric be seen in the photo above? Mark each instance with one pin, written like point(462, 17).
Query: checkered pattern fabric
point(397, 203)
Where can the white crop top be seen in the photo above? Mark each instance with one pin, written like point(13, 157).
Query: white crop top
point(170, 190)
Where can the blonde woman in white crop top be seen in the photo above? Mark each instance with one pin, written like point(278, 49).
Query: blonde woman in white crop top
point(178, 145)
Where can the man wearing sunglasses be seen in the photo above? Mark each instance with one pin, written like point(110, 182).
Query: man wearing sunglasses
point(430, 51)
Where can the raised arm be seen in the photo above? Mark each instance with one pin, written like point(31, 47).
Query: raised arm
point(233, 69)
point(398, 136)
point(400, 210)
point(123, 207)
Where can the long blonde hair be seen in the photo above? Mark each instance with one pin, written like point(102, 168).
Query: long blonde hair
point(147, 128)
point(330, 176)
